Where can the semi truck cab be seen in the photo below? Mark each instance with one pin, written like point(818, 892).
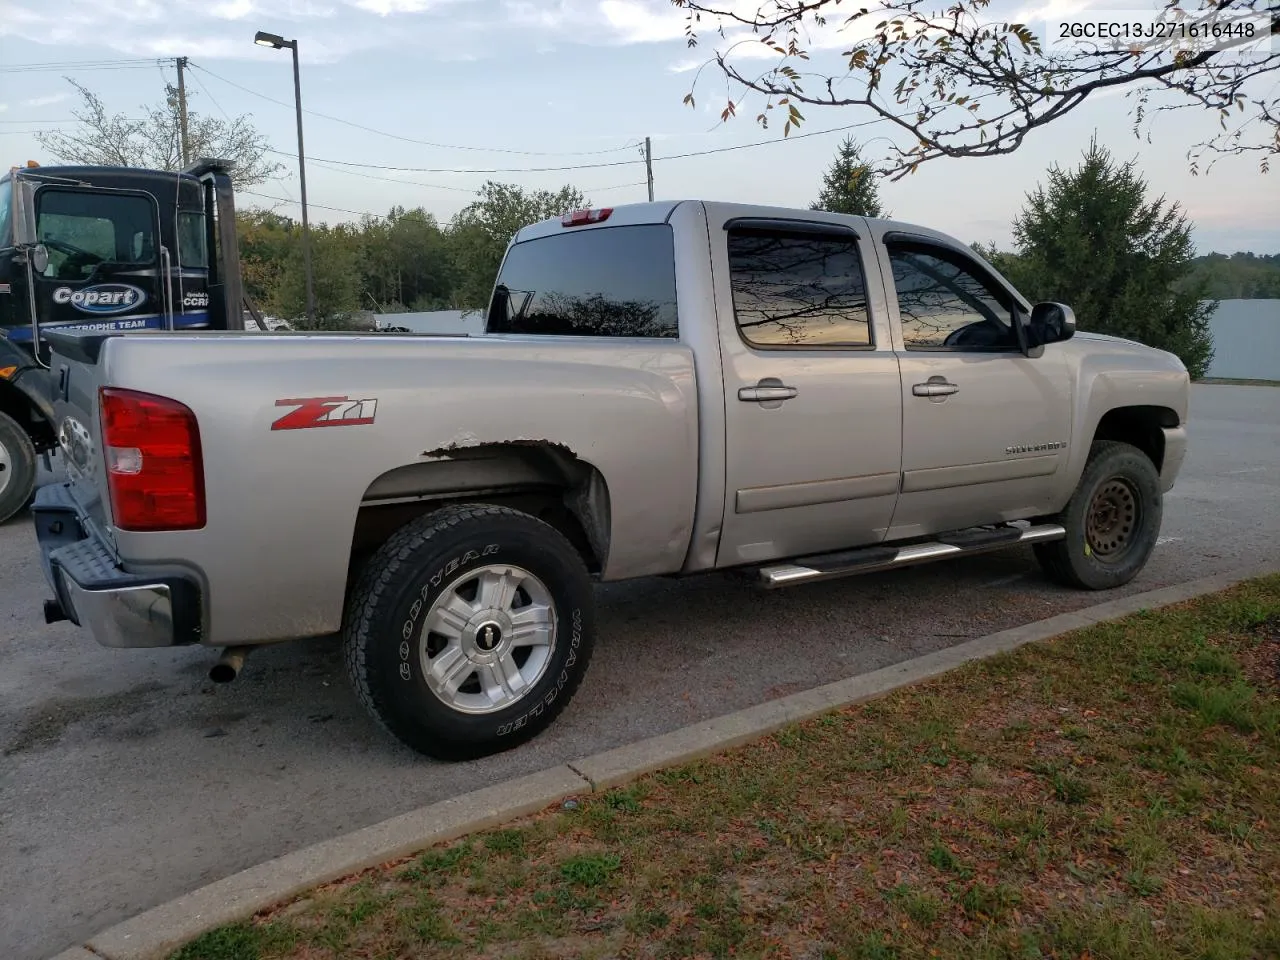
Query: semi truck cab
point(109, 249)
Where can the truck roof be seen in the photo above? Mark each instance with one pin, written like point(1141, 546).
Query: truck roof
point(660, 211)
point(133, 176)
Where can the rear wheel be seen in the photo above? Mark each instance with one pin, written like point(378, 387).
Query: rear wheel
point(18, 470)
point(1112, 521)
point(469, 630)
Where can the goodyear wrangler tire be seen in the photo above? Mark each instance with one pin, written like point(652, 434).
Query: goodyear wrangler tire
point(1112, 521)
point(18, 468)
point(469, 630)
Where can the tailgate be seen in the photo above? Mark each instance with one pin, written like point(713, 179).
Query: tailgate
point(77, 375)
point(121, 605)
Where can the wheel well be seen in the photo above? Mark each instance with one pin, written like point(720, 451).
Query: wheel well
point(18, 406)
point(545, 480)
point(1140, 426)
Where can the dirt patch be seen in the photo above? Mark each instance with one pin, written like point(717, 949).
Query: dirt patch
point(46, 725)
point(1261, 661)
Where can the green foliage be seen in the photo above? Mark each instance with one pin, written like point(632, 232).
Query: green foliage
point(590, 869)
point(403, 261)
point(482, 230)
point(1093, 239)
point(849, 185)
point(335, 261)
point(1240, 276)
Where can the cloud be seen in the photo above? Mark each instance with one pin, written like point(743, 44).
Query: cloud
point(329, 30)
point(232, 9)
point(635, 21)
point(47, 100)
point(386, 8)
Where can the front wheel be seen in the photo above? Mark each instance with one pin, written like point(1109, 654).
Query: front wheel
point(18, 467)
point(1112, 521)
point(469, 630)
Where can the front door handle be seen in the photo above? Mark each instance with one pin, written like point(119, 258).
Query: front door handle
point(934, 387)
point(766, 391)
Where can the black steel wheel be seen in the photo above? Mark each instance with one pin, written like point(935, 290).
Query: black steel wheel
point(1112, 521)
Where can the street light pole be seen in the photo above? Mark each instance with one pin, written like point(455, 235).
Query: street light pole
point(271, 40)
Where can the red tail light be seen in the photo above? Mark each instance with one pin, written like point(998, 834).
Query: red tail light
point(155, 472)
point(578, 218)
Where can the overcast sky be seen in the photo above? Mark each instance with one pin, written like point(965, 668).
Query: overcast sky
point(543, 83)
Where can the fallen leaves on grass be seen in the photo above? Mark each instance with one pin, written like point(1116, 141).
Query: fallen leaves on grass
point(1110, 793)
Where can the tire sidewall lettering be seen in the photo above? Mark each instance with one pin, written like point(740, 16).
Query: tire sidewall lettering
point(575, 640)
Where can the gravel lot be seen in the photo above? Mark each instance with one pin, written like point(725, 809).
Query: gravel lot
point(126, 778)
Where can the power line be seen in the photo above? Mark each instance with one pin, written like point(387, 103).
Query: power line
point(383, 216)
point(601, 165)
point(413, 140)
point(133, 64)
point(370, 176)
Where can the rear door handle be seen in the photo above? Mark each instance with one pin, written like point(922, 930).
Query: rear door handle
point(763, 393)
point(934, 387)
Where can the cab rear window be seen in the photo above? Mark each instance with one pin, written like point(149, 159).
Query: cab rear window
point(600, 282)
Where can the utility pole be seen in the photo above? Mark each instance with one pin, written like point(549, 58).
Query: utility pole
point(182, 110)
point(648, 165)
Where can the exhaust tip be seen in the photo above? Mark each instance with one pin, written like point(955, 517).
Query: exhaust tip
point(223, 673)
point(228, 666)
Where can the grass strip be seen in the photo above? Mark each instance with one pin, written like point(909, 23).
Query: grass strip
point(1111, 793)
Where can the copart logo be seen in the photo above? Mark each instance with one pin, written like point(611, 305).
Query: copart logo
point(101, 298)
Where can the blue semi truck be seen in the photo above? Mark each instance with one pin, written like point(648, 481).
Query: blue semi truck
point(103, 248)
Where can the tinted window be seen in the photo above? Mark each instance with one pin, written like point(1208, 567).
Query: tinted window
point(945, 300)
point(191, 240)
point(798, 290)
point(601, 282)
point(83, 229)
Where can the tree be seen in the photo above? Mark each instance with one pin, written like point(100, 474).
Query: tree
point(154, 141)
point(335, 258)
point(481, 231)
point(407, 261)
point(958, 84)
point(849, 185)
point(1092, 239)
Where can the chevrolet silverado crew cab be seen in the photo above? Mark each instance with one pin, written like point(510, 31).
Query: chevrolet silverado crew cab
point(662, 389)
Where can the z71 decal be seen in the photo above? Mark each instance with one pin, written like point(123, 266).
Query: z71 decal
point(325, 412)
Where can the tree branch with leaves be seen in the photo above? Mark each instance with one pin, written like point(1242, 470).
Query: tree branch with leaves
point(957, 83)
point(154, 141)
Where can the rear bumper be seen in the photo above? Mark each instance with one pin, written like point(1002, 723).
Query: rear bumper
point(120, 609)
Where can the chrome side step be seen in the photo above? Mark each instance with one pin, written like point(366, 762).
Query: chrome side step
point(847, 563)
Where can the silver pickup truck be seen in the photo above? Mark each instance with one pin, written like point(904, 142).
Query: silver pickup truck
point(663, 389)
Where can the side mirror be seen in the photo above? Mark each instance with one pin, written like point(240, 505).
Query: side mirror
point(1050, 323)
point(39, 258)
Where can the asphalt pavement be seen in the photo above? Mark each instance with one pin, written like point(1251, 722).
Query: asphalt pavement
point(126, 778)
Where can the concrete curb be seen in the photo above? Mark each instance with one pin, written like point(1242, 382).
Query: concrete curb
point(157, 932)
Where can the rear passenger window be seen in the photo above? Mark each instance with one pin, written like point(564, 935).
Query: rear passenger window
point(600, 282)
point(798, 290)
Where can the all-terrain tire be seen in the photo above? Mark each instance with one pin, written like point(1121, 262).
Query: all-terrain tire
point(1112, 521)
point(18, 468)
point(387, 645)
